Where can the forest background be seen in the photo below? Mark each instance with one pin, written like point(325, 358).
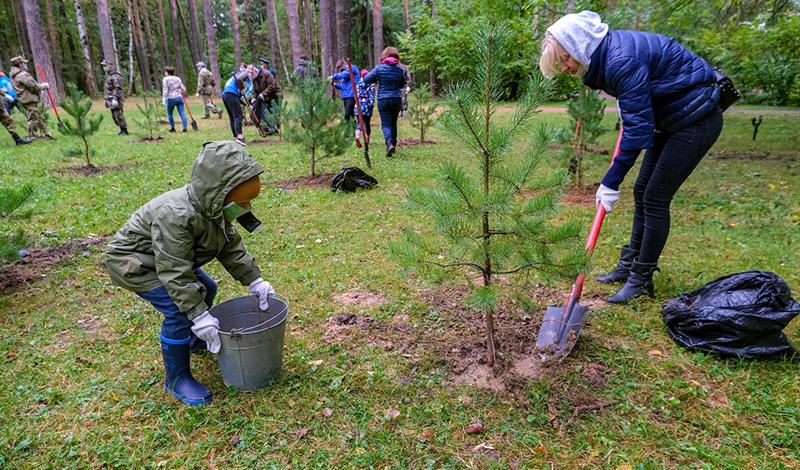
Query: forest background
point(755, 42)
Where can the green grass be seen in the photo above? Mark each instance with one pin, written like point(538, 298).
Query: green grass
point(83, 379)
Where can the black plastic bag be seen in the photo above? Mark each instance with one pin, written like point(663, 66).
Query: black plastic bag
point(350, 179)
point(739, 315)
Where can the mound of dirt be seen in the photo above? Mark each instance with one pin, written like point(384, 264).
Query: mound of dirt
point(580, 195)
point(265, 142)
point(411, 142)
point(146, 140)
point(41, 260)
point(306, 182)
point(89, 170)
point(359, 299)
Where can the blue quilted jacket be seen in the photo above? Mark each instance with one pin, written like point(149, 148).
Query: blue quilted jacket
point(659, 84)
point(346, 85)
point(390, 78)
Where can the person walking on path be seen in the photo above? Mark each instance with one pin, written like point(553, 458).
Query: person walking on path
point(342, 81)
point(28, 91)
point(161, 249)
point(231, 98)
point(205, 88)
point(267, 92)
point(9, 123)
point(172, 91)
point(113, 96)
point(669, 106)
point(366, 100)
point(391, 79)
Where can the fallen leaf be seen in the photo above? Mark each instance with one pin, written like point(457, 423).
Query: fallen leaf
point(327, 411)
point(425, 436)
point(301, 433)
point(128, 413)
point(465, 399)
point(624, 467)
point(391, 415)
point(235, 441)
point(475, 428)
point(483, 446)
point(655, 352)
point(540, 450)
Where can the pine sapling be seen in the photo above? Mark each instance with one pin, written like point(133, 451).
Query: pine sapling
point(313, 122)
point(151, 112)
point(77, 105)
point(494, 209)
point(586, 110)
point(12, 241)
point(422, 111)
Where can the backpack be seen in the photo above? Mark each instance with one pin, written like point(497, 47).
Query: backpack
point(350, 179)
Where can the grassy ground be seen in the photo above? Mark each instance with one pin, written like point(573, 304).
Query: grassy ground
point(83, 383)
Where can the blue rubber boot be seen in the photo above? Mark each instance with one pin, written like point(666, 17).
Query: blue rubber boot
point(179, 380)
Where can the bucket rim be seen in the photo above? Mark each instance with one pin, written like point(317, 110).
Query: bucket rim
point(281, 317)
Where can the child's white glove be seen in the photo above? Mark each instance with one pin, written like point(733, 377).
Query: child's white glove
point(206, 327)
point(261, 289)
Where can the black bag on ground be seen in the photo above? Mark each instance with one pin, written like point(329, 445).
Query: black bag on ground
point(350, 179)
point(738, 315)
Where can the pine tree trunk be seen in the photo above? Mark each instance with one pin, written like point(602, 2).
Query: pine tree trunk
point(213, 63)
point(107, 33)
point(56, 54)
point(176, 38)
point(280, 52)
point(72, 74)
point(194, 27)
point(22, 30)
point(327, 26)
point(87, 59)
point(377, 30)
point(368, 31)
point(39, 50)
point(294, 31)
point(131, 81)
point(155, 64)
point(408, 20)
point(164, 37)
point(343, 26)
point(309, 37)
point(250, 42)
point(273, 30)
point(138, 44)
point(237, 47)
point(431, 73)
point(193, 54)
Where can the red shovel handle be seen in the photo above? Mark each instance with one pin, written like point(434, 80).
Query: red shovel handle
point(186, 105)
point(358, 102)
point(41, 74)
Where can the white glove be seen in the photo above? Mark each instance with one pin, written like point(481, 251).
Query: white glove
point(408, 89)
point(261, 289)
point(197, 94)
point(607, 197)
point(44, 86)
point(206, 327)
point(114, 103)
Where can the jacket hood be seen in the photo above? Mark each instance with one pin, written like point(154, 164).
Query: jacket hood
point(390, 61)
point(220, 167)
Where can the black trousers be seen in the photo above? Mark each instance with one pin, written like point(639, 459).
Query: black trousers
point(349, 108)
point(389, 108)
point(234, 108)
point(664, 169)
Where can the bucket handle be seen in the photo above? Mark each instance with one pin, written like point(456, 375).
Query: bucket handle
point(237, 332)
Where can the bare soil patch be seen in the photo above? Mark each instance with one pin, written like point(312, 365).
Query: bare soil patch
point(580, 195)
point(146, 140)
point(265, 142)
point(89, 170)
point(42, 260)
point(359, 299)
point(411, 142)
point(322, 180)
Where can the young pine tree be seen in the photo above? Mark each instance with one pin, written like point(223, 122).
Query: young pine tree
point(151, 112)
point(76, 106)
point(12, 241)
point(586, 110)
point(314, 123)
point(422, 111)
point(494, 210)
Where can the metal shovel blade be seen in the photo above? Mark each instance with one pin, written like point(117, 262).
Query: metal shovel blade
point(559, 331)
point(194, 125)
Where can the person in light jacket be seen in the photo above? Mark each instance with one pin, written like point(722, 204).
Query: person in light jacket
point(172, 91)
point(669, 106)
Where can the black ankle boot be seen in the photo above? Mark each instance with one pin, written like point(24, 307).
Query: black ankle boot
point(19, 140)
point(640, 281)
point(620, 273)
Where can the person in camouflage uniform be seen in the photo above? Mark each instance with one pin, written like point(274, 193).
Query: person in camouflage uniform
point(205, 88)
point(405, 91)
point(114, 97)
point(9, 123)
point(28, 90)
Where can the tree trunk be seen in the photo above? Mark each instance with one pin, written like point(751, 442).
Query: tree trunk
point(55, 53)
point(250, 42)
point(22, 31)
point(213, 64)
point(164, 37)
point(131, 82)
point(408, 20)
point(309, 37)
point(327, 25)
point(377, 30)
point(368, 31)
point(294, 31)
point(194, 54)
point(343, 26)
point(176, 38)
point(107, 33)
point(72, 74)
point(237, 47)
point(194, 27)
point(431, 73)
point(280, 52)
point(273, 30)
point(155, 64)
point(87, 59)
point(39, 51)
point(138, 44)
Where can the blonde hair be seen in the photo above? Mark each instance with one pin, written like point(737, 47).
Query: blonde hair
point(552, 53)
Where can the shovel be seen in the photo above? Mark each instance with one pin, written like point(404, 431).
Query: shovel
point(61, 124)
point(249, 107)
point(561, 325)
point(194, 123)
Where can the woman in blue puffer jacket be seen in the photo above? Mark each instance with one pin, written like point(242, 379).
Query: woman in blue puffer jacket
point(669, 107)
point(391, 79)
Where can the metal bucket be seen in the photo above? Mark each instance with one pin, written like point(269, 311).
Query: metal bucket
point(252, 340)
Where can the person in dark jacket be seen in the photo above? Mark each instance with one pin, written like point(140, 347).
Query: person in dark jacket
point(160, 251)
point(669, 108)
point(342, 81)
point(267, 96)
point(391, 79)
